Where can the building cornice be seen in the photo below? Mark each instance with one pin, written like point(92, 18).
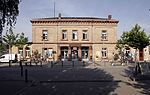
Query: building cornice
point(74, 21)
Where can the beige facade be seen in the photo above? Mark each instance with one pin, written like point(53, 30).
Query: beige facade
point(91, 46)
point(80, 38)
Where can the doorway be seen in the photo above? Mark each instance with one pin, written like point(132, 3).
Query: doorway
point(141, 55)
point(64, 53)
point(74, 53)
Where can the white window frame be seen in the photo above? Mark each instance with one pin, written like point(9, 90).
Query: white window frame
point(85, 34)
point(64, 34)
point(21, 52)
point(27, 53)
point(44, 53)
point(50, 53)
point(104, 35)
point(44, 34)
point(104, 52)
point(74, 34)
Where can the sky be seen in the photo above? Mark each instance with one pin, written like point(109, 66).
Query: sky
point(128, 12)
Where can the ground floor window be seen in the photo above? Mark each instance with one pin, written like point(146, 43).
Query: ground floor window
point(127, 51)
point(64, 52)
point(85, 52)
point(104, 53)
point(48, 52)
point(27, 53)
point(45, 52)
point(21, 52)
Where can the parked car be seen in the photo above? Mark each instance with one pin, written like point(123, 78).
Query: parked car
point(8, 57)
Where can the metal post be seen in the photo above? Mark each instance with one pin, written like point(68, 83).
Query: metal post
point(41, 63)
point(10, 63)
point(51, 64)
point(26, 75)
point(20, 63)
point(26, 63)
point(83, 64)
point(30, 63)
point(72, 63)
point(62, 63)
point(21, 70)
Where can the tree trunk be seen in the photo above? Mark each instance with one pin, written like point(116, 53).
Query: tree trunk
point(135, 57)
point(136, 61)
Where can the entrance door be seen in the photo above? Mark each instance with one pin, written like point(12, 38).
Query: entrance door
point(64, 53)
point(141, 55)
point(74, 53)
point(85, 53)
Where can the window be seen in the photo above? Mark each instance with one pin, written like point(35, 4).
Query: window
point(45, 52)
point(104, 55)
point(27, 52)
point(50, 53)
point(21, 52)
point(74, 35)
point(103, 35)
point(84, 34)
point(44, 34)
point(127, 51)
point(64, 34)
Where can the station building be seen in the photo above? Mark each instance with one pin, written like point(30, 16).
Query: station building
point(73, 38)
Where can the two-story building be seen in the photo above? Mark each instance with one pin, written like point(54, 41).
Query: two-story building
point(73, 38)
point(79, 38)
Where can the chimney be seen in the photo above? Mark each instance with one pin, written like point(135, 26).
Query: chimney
point(59, 16)
point(109, 17)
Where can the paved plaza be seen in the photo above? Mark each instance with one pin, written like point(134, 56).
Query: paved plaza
point(71, 78)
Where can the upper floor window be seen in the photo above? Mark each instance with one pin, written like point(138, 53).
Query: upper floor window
point(104, 53)
point(104, 35)
point(44, 34)
point(74, 34)
point(64, 34)
point(84, 34)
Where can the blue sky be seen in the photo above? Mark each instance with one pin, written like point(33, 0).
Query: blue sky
point(129, 12)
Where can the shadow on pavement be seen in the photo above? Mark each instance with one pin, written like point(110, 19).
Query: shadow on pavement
point(142, 82)
point(68, 80)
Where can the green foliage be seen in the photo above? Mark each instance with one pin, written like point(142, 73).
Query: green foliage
point(21, 41)
point(8, 13)
point(135, 38)
point(3, 47)
point(10, 38)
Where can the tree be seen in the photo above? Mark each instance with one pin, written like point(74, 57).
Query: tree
point(136, 38)
point(10, 39)
point(8, 13)
point(3, 48)
point(21, 41)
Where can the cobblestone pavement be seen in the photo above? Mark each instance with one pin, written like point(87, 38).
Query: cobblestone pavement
point(71, 78)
